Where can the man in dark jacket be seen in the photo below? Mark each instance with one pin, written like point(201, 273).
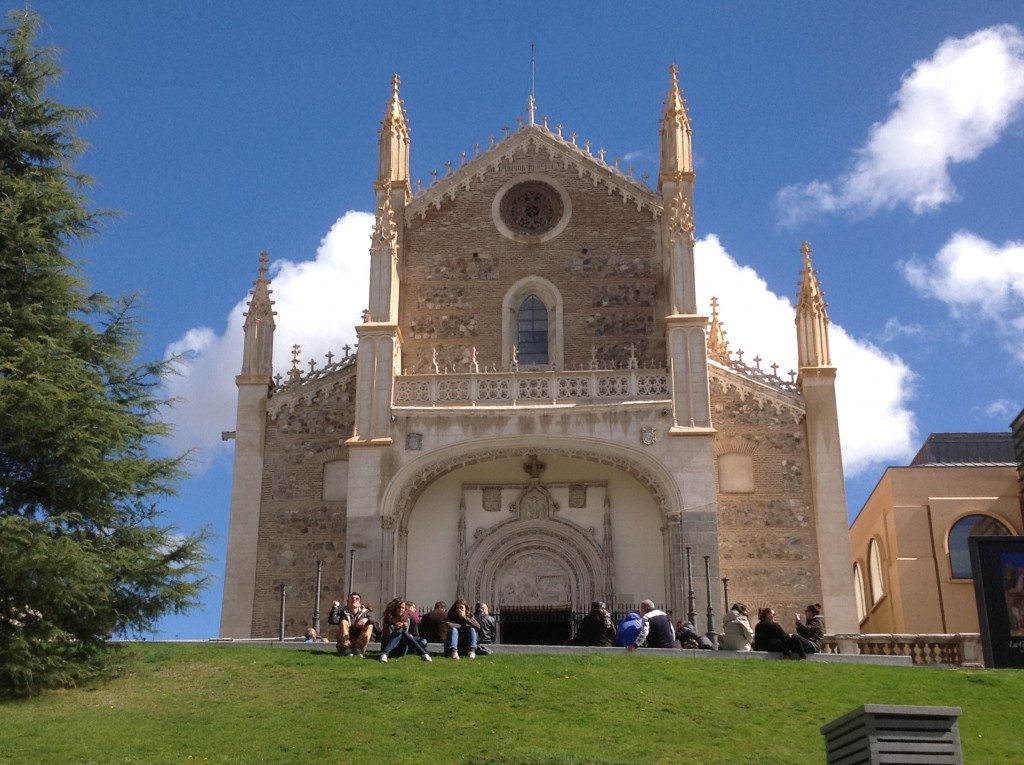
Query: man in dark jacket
point(596, 627)
point(488, 627)
point(656, 630)
point(355, 625)
point(434, 625)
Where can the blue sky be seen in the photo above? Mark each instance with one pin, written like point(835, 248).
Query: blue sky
point(889, 135)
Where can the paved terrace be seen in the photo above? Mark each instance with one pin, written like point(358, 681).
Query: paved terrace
point(679, 653)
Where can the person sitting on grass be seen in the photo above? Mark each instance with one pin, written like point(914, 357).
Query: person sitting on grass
point(810, 629)
point(434, 624)
point(488, 628)
point(596, 627)
point(397, 637)
point(656, 630)
point(462, 630)
point(355, 625)
point(769, 634)
point(629, 628)
point(312, 637)
point(737, 630)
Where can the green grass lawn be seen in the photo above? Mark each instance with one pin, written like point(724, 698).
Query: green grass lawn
point(195, 703)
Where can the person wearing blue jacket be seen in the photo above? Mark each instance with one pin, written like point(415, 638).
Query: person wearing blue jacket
point(629, 628)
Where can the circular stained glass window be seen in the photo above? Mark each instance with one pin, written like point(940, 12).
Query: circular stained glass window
point(532, 208)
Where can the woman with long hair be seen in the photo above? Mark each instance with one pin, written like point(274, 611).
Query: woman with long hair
point(397, 638)
point(462, 630)
point(769, 634)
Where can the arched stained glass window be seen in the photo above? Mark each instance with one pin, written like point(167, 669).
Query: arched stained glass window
point(532, 333)
point(969, 526)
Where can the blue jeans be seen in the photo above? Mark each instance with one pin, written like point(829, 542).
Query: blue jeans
point(462, 638)
point(400, 643)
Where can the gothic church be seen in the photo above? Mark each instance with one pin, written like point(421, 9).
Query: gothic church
point(537, 415)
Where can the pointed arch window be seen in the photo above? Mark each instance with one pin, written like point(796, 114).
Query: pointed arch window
point(532, 331)
point(532, 324)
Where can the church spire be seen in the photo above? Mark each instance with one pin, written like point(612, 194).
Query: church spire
point(258, 349)
point(811, 317)
point(393, 165)
point(676, 135)
point(718, 346)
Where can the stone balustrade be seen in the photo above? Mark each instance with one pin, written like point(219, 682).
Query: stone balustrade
point(532, 388)
point(962, 649)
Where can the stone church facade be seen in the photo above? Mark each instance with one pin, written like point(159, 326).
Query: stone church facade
point(537, 414)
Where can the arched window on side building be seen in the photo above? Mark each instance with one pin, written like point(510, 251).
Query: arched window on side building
point(959, 551)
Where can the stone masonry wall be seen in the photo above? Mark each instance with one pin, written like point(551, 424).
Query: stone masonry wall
point(457, 267)
point(297, 526)
point(767, 537)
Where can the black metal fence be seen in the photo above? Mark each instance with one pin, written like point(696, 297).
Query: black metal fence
point(549, 624)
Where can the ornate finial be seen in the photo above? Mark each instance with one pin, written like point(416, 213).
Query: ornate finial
point(531, 109)
point(419, 185)
point(312, 365)
point(476, 148)
point(346, 347)
point(463, 157)
point(544, 120)
point(473, 363)
point(757, 362)
point(264, 260)
point(504, 129)
point(586, 146)
point(572, 137)
point(295, 373)
point(433, 360)
point(675, 104)
point(558, 129)
point(811, 317)
point(330, 358)
point(515, 358)
point(366, 315)
point(718, 347)
point(811, 295)
point(601, 153)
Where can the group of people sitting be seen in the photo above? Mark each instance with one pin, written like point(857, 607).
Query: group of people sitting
point(402, 630)
point(460, 631)
point(653, 628)
point(769, 635)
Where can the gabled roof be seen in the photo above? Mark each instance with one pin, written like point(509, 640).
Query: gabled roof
point(532, 139)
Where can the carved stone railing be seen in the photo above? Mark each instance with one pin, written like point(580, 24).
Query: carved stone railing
point(958, 650)
point(532, 388)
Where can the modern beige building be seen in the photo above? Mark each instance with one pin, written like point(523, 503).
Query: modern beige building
point(912, 566)
point(538, 415)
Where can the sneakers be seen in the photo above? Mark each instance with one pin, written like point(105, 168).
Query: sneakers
point(455, 655)
point(426, 658)
point(471, 654)
point(383, 658)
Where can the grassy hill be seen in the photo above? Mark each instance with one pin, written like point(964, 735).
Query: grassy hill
point(196, 703)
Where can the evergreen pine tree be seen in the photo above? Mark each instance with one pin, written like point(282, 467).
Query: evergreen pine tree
point(83, 556)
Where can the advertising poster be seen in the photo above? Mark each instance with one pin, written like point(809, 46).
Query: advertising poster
point(998, 567)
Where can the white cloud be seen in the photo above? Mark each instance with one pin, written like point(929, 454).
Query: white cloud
point(894, 328)
point(319, 302)
point(979, 281)
point(948, 110)
point(1002, 409)
point(872, 387)
point(318, 305)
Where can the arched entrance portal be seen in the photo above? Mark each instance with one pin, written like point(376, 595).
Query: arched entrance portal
point(536, 536)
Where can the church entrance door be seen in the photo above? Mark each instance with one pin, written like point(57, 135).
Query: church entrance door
point(535, 625)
